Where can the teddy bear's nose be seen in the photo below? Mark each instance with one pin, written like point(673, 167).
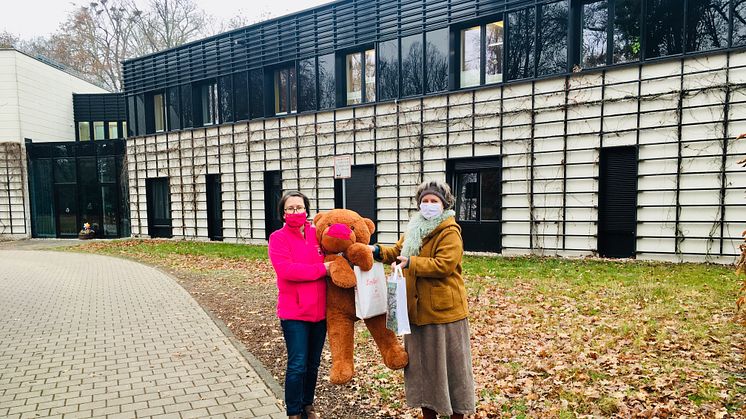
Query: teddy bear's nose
point(340, 231)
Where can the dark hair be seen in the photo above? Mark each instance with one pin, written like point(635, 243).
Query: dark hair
point(290, 194)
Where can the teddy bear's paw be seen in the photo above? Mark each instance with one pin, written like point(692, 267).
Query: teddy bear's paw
point(343, 279)
point(396, 358)
point(341, 374)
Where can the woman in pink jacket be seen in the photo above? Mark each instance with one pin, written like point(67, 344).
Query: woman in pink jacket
point(301, 301)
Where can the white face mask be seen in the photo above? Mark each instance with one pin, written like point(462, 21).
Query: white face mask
point(430, 210)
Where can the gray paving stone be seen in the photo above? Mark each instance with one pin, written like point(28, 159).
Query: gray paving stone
point(93, 336)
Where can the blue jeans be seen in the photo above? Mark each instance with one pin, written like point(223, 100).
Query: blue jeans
point(304, 342)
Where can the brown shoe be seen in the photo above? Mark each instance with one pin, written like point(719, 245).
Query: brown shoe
point(311, 412)
point(294, 417)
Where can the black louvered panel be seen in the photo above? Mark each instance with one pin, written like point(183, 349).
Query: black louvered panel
point(617, 222)
point(99, 107)
point(476, 163)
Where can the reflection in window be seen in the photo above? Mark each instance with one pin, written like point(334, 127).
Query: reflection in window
point(467, 201)
point(256, 93)
point(159, 111)
point(470, 57)
point(353, 64)
point(285, 91)
point(707, 24)
point(241, 102)
point(370, 75)
point(493, 71)
point(187, 109)
point(520, 64)
point(84, 131)
point(113, 130)
point(173, 105)
point(99, 130)
point(436, 66)
point(739, 23)
point(552, 45)
point(411, 65)
point(594, 17)
point(106, 170)
point(125, 133)
point(327, 85)
point(225, 99)
point(307, 84)
point(388, 69)
point(664, 30)
point(490, 182)
point(209, 103)
point(627, 31)
point(360, 77)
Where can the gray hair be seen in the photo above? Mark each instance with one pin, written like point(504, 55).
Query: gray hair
point(439, 189)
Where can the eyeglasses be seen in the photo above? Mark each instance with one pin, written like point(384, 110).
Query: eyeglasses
point(294, 210)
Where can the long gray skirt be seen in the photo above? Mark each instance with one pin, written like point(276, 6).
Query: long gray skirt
point(439, 375)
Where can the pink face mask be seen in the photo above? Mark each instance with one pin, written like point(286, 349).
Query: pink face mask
point(295, 220)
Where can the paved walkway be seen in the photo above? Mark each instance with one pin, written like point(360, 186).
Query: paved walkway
point(94, 336)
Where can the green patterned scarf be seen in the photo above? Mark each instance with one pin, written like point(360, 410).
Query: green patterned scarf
point(418, 228)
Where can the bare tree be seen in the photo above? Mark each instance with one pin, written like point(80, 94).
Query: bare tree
point(170, 23)
point(8, 40)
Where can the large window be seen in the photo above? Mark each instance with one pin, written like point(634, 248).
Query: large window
point(241, 96)
point(307, 84)
point(551, 48)
point(481, 54)
point(521, 27)
point(209, 103)
point(285, 90)
point(436, 60)
point(327, 83)
point(159, 113)
point(594, 21)
point(84, 131)
point(707, 24)
point(360, 77)
point(739, 23)
point(664, 29)
point(256, 89)
point(388, 69)
point(610, 32)
point(173, 104)
point(225, 99)
point(187, 106)
point(471, 53)
point(99, 131)
point(113, 130)
point(411, 65)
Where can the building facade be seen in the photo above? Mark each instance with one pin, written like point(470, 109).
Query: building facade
point(35, 103)
point(564, 127)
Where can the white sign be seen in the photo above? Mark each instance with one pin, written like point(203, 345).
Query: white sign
point(342, 167)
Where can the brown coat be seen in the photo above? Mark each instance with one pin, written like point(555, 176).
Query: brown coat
point(435, 287)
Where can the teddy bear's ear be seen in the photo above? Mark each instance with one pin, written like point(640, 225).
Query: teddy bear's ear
point(317, 218)
point(371, 226)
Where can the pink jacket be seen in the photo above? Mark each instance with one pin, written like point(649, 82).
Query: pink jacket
point(301, 275)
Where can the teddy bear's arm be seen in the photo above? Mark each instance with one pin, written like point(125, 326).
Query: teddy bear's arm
point(340, 272)
point(360, 255)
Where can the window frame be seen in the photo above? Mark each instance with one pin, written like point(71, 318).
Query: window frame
point(362, 52)
point(209, 107)
point(159, 110)
point(290, 91)
point(457, 51)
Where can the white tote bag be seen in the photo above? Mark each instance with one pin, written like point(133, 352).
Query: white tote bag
point(370, 292)
point(397, 316)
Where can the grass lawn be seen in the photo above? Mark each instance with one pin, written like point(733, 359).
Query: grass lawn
point(550, 337)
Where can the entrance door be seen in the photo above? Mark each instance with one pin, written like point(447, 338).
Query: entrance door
point(476, 186)
point(272, 196)
point(66, 197)
point(617, 202)
point(214, 208)
point(159, 207)
point(360, 193)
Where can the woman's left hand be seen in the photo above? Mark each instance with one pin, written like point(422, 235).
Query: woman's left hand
point(403, 262)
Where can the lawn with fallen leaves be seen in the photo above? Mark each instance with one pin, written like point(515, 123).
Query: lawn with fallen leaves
point(551, 337)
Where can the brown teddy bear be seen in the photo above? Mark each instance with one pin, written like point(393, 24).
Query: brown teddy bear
point(343, 236)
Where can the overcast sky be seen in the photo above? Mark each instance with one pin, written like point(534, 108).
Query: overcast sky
point(42, 17)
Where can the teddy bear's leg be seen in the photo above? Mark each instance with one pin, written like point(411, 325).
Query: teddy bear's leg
point(393, 353)
point(340, 330)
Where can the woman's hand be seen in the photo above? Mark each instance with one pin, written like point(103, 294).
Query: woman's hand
point(403, 262)
point(327, 265)
point(372, 247)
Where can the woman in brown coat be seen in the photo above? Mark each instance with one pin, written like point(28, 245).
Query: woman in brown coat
point(439, 376)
